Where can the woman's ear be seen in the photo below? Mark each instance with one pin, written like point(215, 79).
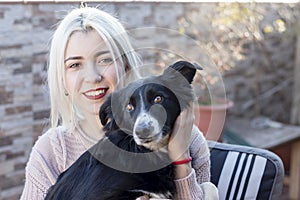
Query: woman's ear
point(66, 92)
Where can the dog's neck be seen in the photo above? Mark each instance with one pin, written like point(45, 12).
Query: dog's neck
point(162, 145)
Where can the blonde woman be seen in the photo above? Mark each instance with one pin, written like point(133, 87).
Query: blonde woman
point(89, 54)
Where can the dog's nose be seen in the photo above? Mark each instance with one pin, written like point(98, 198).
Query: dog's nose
point(144, 129)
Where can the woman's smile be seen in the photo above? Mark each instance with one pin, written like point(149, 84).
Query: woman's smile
point(96, 94)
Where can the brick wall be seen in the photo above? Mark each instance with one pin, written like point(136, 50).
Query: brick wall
point(25, 30)
point(23, 104)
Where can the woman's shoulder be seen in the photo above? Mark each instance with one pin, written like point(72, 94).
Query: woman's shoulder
point(56, 133)
point(45, 159)
point(54, 136)
point(50, 148)
point(63, 145)
point(52, 139)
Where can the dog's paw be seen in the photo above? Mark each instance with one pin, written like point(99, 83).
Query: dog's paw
point(210, 191)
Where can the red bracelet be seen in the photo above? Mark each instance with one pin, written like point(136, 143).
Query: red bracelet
point(184, 161)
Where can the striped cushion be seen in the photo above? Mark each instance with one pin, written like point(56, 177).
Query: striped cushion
point(242, 172)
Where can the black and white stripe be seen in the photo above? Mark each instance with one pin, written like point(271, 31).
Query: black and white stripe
point(245, 173)
point(241, 180)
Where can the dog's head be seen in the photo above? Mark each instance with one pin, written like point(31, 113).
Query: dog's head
point(147, 108)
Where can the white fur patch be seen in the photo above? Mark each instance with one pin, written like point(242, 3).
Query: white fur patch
point(145, 117)
point(152, 195)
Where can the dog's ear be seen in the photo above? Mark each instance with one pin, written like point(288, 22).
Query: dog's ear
point(105, 111)
point(106, 116)
point(187, 69)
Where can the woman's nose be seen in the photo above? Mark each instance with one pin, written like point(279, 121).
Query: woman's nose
point(92, 74)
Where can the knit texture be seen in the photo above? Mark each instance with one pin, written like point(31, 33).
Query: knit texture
point(57, 149)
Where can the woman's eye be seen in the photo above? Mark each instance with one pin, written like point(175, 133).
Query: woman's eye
point(158, 99)
point(75, 65)
point(129, 107)
point(105, 61)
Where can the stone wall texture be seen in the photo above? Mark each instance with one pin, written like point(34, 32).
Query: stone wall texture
point(25, 32)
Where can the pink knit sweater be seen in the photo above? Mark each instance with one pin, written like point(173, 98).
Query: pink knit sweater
point(56, 150)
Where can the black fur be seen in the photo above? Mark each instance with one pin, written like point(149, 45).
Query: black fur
point(106, 173)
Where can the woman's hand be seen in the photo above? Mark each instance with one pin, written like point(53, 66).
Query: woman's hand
point(180, 141)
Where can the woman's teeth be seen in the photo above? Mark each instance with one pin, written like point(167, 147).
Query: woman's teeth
point(95, 93)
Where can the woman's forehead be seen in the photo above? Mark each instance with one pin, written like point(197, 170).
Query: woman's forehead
point(84, 43)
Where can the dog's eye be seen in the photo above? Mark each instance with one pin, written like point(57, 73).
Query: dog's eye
point(158, 99)
point(129, 107)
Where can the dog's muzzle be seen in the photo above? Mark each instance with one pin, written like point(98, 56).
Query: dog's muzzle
point(146, 129)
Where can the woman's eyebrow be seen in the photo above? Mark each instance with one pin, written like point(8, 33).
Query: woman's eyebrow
point(80, 57)
point(99, 53)
point(73, 58)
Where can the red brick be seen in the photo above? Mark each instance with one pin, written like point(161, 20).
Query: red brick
point(14, 155)
point(44, 114)
point(12, 181)
point(6, 97)
point(17, 110)
point(8, 140)
point(23, 70)
point(37, 79)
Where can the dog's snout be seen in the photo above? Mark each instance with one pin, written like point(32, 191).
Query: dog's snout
point(144, 129)
point(146, 126)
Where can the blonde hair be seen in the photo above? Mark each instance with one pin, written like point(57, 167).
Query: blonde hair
point(115, 37)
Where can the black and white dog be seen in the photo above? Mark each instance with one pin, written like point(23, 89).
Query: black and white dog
point(132, 159)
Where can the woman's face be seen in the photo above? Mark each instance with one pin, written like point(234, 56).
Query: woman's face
point(90, 73)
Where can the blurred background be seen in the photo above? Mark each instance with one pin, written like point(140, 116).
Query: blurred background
point(252, 47)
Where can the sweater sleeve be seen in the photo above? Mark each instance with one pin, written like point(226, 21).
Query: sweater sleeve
point(41, 170)
point(189, 187)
